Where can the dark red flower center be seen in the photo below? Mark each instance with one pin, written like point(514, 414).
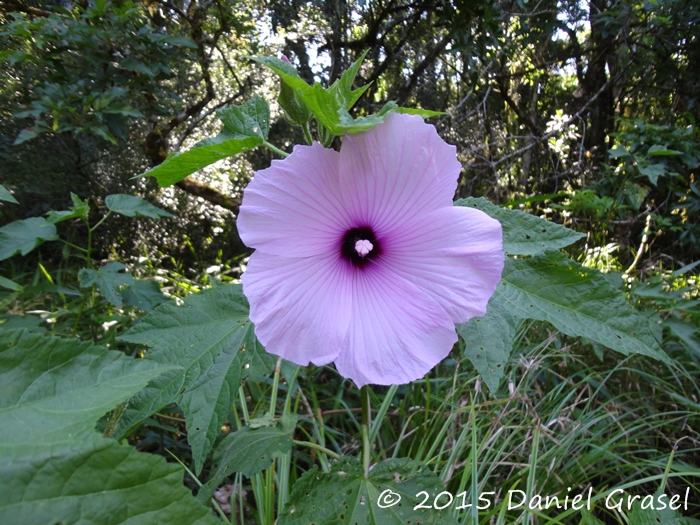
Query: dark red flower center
point(360, 246)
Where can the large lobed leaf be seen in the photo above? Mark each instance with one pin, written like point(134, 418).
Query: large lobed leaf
point(213, 341)
point(344, 496)
point(25, 235)
point(524, 234)
point(578, 301)
point(56, 467)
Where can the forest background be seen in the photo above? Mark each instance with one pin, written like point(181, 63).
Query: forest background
point(580, 112)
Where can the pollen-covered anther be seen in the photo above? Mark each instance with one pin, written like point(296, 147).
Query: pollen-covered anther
point(363, 247)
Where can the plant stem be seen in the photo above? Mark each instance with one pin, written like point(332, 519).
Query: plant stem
point(307, 133)
point(103, 219)
point(275, 386)
point(279, 152)
point(366, 423)
point(315, 446)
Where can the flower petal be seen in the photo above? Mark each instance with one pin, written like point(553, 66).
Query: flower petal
point(453, 254)
point(293, 208)
point(300, 306)
point(397, 333)
point(395, 170)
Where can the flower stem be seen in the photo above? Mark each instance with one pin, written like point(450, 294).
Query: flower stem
point(279, 152)
point(366, 423)
point(275, 386)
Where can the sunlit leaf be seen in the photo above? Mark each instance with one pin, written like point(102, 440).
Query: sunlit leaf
point(25, 235)
point(131, 206)
point(524, 234)
point(250, 120)
point(56, 467)
point(578, 301)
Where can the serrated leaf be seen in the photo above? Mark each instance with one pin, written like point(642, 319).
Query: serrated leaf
point(344, 496)
point(524, 234)
point(25, 235)
point(6, 195)
point(213, 341)
point(144, 294)
point(131, 206)
point(52, 390)
point(329, 106)
point(109, 280)
point(489, 341)
point(247, 451)
point(577, 300)
point(56, 468)
point(343, 86)
point(79, 210)
point(252, 119)
point(206, 152)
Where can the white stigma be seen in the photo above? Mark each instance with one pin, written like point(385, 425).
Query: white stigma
point(363, 247)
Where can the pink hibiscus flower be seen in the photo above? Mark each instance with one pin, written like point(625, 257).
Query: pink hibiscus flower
point(360, 257)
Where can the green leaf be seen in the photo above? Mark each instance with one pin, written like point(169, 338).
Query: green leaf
point(618, 151)
point(489, 341)
point(206, 152)
point(108, 279)
point(424, 113)
point(56, 468)
point(652, 171)
point(248, 451)
point(144, 294)
point(31, 323)
point(131, 206)
point(79, 210)
point(25, 235)
point(344, 496)
point(524, 234)
point(211, 338)
point(250, 120)
point(661, 151)
point(342, 87)
point(577, 300)
point(10, 285)
point(25, 135)
point(685, 332)
point(6, 195)
point(329, 106)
